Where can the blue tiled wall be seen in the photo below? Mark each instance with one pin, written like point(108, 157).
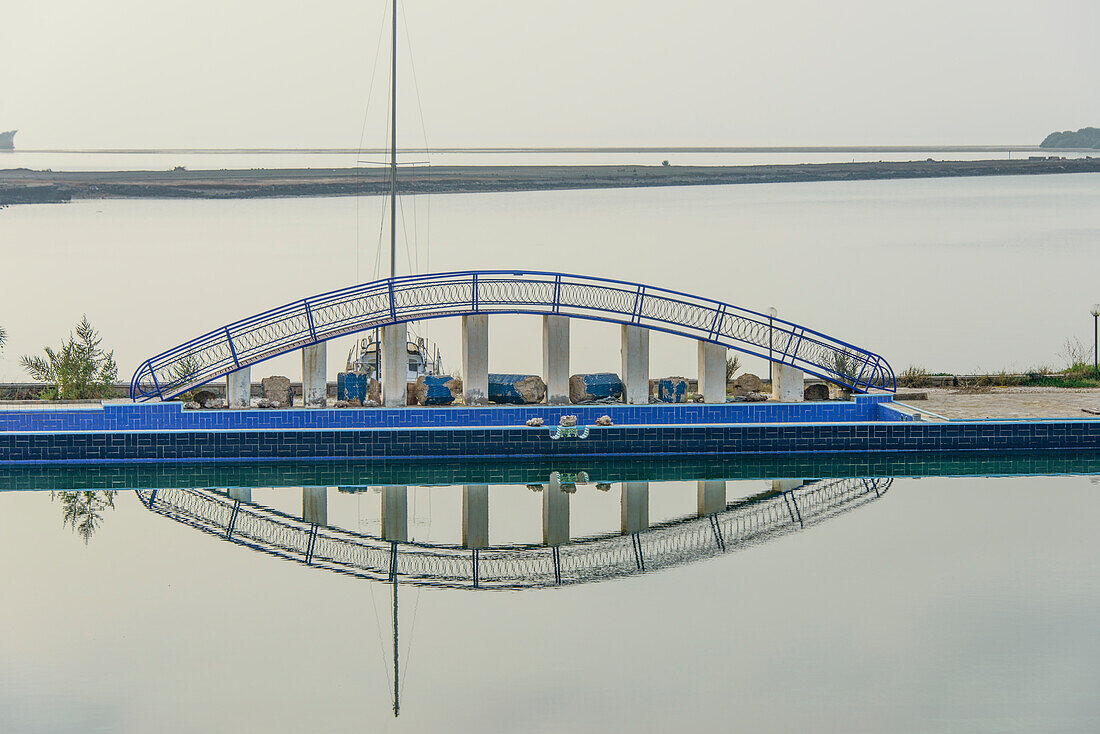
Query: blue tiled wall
point(171, 416)
point(455, 443)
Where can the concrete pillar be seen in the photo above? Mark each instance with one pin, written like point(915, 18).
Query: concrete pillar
point(238, 388)
point(635, 355)
point(475, 359)
point(315, 505)
point(555, 512)
point(475, 516)
point(395, 365)
point(555, 359)
point(315, 376)
point(241, 495)
point(788, 383)
point(712, 496)
point(712, 372)
point(635, 507)
point(395, 514)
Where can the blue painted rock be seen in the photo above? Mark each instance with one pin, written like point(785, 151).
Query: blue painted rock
point(672, 390)
point(351, 386)
point(437, 389)
point(595, 386)
point(516, 389)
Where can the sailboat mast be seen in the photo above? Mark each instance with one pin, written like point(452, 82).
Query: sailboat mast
point(393, 148)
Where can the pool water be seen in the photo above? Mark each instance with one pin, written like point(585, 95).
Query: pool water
point(883, 600)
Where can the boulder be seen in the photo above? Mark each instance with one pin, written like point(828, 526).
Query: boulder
point(215, 404)
point(437, 390)
point(534, 422)
point(410, 393)
point(266, 403)
point(747, 383)
point(755, 397)
point(352, 386)
point(816, 391)
point(568, 421)
point(672, 390)
point(202, 397)
point(516, 389)
point(277, 389)
point(587, 388)
point(603, 420)
point(191, 405)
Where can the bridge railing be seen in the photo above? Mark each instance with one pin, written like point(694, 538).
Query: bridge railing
point(437, 295)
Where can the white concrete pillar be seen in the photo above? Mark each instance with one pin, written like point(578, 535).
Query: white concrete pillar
point(788, 383)
point(315, 505)
point(475, 359)
point(635, 507)
point(475, 516)
point(395, 365)
point(635, 356)
point(315, 376)
point(555, 512)
point(241, 495)
point(712, 372)
point(555, 359)
point(238, 388)
point(395, 514)
point(712, 496)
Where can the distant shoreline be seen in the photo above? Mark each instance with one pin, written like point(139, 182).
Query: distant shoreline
point(18, 186)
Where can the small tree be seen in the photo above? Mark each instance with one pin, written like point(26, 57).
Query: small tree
point(83, 510)
point(733, 363)
point(3, 337)
point(78, 369)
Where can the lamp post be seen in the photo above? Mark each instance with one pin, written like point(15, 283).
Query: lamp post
point(772, 313)
point(1095, 364)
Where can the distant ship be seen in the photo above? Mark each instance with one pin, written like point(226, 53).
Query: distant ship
point(7, 140)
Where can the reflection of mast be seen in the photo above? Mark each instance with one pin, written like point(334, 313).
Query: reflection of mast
point(396, 671)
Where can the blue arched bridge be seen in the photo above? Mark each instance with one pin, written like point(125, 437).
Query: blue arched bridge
point(410, 298)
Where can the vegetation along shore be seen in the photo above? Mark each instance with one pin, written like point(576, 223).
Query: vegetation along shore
point(20, 186)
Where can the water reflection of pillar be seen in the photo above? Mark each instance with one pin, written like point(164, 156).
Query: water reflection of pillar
point(635, 507)
point(315, 505)
point(555, 513)
point(395, 514)
point(241, 495)
point(475, 516)
point(712, 496)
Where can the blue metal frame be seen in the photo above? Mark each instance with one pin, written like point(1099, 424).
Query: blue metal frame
point(406, 298)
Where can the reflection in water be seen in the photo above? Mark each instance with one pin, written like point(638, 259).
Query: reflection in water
point(83, 511)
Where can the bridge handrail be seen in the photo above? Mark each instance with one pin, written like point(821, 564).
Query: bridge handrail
point(406, 298)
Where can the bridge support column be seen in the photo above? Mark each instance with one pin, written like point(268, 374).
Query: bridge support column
point(395, 514)
point(315, 376)
point(315, 505)
point(475, 516)
point(555, 512)
point(395, 365)
point(238, 388)
point(788, 383)
point(555, 359)
point(475, 359)
point(712, 372)
point(712, 496)
point(635, 356)
point(635, 507)
point(241, 495)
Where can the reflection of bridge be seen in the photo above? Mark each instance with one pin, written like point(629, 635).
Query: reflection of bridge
point(734, 526)
point(391, 303)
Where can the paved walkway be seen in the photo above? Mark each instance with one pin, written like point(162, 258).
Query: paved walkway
point(1009, 402)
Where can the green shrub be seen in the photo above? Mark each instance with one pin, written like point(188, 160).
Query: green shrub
point(733, 363)
point(914, 376)
point(77, 370)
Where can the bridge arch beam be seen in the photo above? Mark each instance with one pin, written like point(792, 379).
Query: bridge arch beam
point(408, 298)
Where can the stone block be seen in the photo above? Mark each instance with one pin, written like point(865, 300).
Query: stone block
point(816, 391)
point(277, 390)
point(586, 388)
point(437, 389)
point(672, 389)
point(516, 389)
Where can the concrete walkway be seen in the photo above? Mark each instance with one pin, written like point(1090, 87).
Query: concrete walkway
point(1010, 402)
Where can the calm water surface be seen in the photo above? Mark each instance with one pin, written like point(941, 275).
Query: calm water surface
point(955, 275)
point(954, 604)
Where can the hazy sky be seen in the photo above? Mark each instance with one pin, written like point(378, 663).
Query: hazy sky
point(122, 73)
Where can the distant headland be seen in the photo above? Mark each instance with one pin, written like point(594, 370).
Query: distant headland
point(1086, 137)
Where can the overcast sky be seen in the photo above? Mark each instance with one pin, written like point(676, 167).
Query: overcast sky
point(244, 73)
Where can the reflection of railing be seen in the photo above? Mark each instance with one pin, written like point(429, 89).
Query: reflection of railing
point(435, 295)
point(513, 567)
